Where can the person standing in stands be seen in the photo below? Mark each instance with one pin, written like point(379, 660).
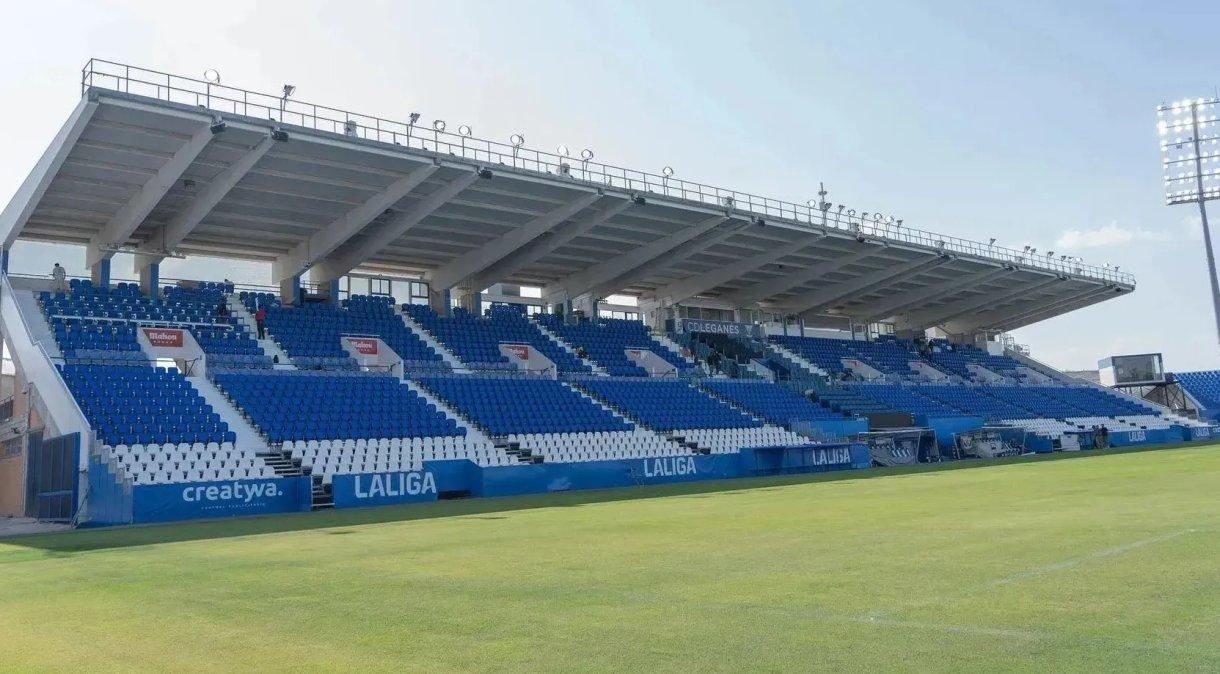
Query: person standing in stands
point(260, 320)
point(59, 278)
point(222, 309)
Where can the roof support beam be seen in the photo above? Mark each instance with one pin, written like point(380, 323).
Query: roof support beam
point(843, 292)
point(918, 296)
point(962, 307)
point(680, 291)
point(174, 232)
point(324, 241)
point(765, 289)
point(18, 211)
point(1016, 317)
point(128, 218)
point(332, 268)
point(676, 256)
point(548, 243)
point(587, 279)
point(483, 257)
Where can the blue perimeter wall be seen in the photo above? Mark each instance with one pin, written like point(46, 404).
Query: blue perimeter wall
point(108, 502)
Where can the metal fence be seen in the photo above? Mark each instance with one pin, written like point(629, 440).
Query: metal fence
point(223, 99)
point(51, 476)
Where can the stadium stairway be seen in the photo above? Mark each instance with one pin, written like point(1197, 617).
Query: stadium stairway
point(269, 346)
point(446, 355)
point(247, 436)
point(593, 365)
point(793, 357)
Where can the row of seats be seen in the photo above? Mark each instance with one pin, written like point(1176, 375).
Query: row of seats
point(666, 404)
point(776, 404)
point(607, 340)
point(505, 405)
point(476, 340)
point(291, 405)
point(1203, 386)
point(729, 440)
point(567, 447)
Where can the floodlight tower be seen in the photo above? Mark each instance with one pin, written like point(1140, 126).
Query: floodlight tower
point(1190, 155)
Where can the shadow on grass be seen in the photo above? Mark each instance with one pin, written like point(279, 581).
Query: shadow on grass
point(84, 540)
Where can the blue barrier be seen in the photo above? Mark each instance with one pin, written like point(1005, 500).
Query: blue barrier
point(549, 477)
point(804, 459)
point(195, 500)
point(1198, 432)
point(1142, 437)
point(375, 489)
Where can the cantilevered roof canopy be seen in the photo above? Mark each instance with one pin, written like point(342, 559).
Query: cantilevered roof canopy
point(156, 164)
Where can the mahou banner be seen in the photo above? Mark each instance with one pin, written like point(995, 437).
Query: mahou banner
point(165, 337)
point(363, 345)
point(519, 350)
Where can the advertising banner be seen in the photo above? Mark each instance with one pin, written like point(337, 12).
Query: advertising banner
point(374, 489)
point(229, 498)
point(168, 338)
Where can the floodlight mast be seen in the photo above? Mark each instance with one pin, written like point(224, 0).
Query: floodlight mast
point(1201, 197)
point(1207, 234)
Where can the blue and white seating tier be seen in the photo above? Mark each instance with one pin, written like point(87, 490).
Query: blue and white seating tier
point(375, 314)
point(129, 405)
point(776, 404)
point(666, 404)
point(1203, 386)
point(888, 356)
point(503, 405)
point(197, 462)
point(476, 340)
point(607, 340)
point(911, 399)
point(326, 458)
point(636, 443)
point(955, 358)
point(296, 405)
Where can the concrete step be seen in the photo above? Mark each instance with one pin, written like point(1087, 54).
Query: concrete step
point(567, 347)
point(446, 355)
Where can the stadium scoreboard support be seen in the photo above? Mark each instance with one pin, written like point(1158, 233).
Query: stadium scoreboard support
point(1145, 369)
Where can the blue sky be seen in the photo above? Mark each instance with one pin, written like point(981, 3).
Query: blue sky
point(1032, 122)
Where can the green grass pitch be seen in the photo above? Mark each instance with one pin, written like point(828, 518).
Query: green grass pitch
point(1101, 563)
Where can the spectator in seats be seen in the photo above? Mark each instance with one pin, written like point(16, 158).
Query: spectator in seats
point(582, 353)
point(275, 360)
point(713, 361)
point(222, 309)
point(260, 320)
point(1105, 437)
point(59, 277)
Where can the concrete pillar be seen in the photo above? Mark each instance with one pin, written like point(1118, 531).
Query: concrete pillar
point(439, 301)
point(4, 261)
point(290, 291)
point(100, 273)
point(800, 326)
point(330, 290)
point(150, 280)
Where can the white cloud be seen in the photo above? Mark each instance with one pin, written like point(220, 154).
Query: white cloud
point(1109, 235)
point(1194, 227)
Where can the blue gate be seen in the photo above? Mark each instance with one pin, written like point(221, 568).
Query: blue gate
point(51, 476)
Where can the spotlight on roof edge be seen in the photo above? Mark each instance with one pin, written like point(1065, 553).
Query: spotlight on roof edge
point(465, 130)
point(562, 151)
point(517, 140)
point(212, 75)
point(439, 125)
point(289, 90)
point(668, 171)
point(586, 154)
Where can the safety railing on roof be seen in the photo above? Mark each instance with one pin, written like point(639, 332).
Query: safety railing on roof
point(224, 99)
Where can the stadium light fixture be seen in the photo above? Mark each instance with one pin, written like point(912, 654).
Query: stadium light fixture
point(438, 125)
point(289, 90)
point(212, 75)
point(517, 140)
point(668, 171)
point(991, 243)
point(1190, 158)
point(586, 154)
point(465, 130)
point(563, 151)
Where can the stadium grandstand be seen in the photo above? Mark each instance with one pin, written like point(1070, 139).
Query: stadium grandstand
point(444, 318)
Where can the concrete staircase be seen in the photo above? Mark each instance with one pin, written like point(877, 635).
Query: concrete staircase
point(799, 360)
point(268, 345)
point(675, 347)
point(567, 347)
point(446, 355)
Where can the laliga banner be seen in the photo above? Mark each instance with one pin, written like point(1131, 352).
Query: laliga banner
point(168, 338)
point(374, 489)
point(363, 345)
point(230, 498)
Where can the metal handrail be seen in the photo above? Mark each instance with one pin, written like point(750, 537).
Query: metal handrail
point(223, 99)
